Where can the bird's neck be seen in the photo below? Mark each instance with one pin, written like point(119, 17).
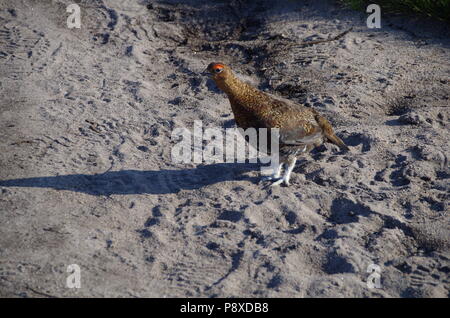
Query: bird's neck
point(238, 90)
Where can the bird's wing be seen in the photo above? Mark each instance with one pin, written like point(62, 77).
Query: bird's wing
point(297, 123)
point(299, 136)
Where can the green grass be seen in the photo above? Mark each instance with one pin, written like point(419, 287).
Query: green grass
point(436, 9)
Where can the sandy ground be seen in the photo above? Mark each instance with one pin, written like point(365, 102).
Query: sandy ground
point(86, 175)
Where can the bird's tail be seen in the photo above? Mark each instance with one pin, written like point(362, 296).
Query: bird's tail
point(337, 141)
point(329, 133)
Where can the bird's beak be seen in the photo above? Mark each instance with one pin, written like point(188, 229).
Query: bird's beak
point(206, 72)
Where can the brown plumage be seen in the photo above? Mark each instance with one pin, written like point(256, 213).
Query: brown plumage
point(301, 128)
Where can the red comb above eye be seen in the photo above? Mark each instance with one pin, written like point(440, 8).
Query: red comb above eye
point(218, 65)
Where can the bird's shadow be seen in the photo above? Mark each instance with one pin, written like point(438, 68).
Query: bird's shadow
point(141, 182)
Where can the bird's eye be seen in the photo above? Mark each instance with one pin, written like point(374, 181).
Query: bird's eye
point(218, 70)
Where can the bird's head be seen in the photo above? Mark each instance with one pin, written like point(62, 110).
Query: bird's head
point(218, 71)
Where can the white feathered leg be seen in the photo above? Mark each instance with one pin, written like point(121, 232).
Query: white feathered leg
point(287, 174)
point(276, 173)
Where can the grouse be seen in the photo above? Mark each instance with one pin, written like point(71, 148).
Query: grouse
point(301, 128)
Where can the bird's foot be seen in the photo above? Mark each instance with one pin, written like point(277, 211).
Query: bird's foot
point(280, 181)
point(271, 177)
point(286, 177)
